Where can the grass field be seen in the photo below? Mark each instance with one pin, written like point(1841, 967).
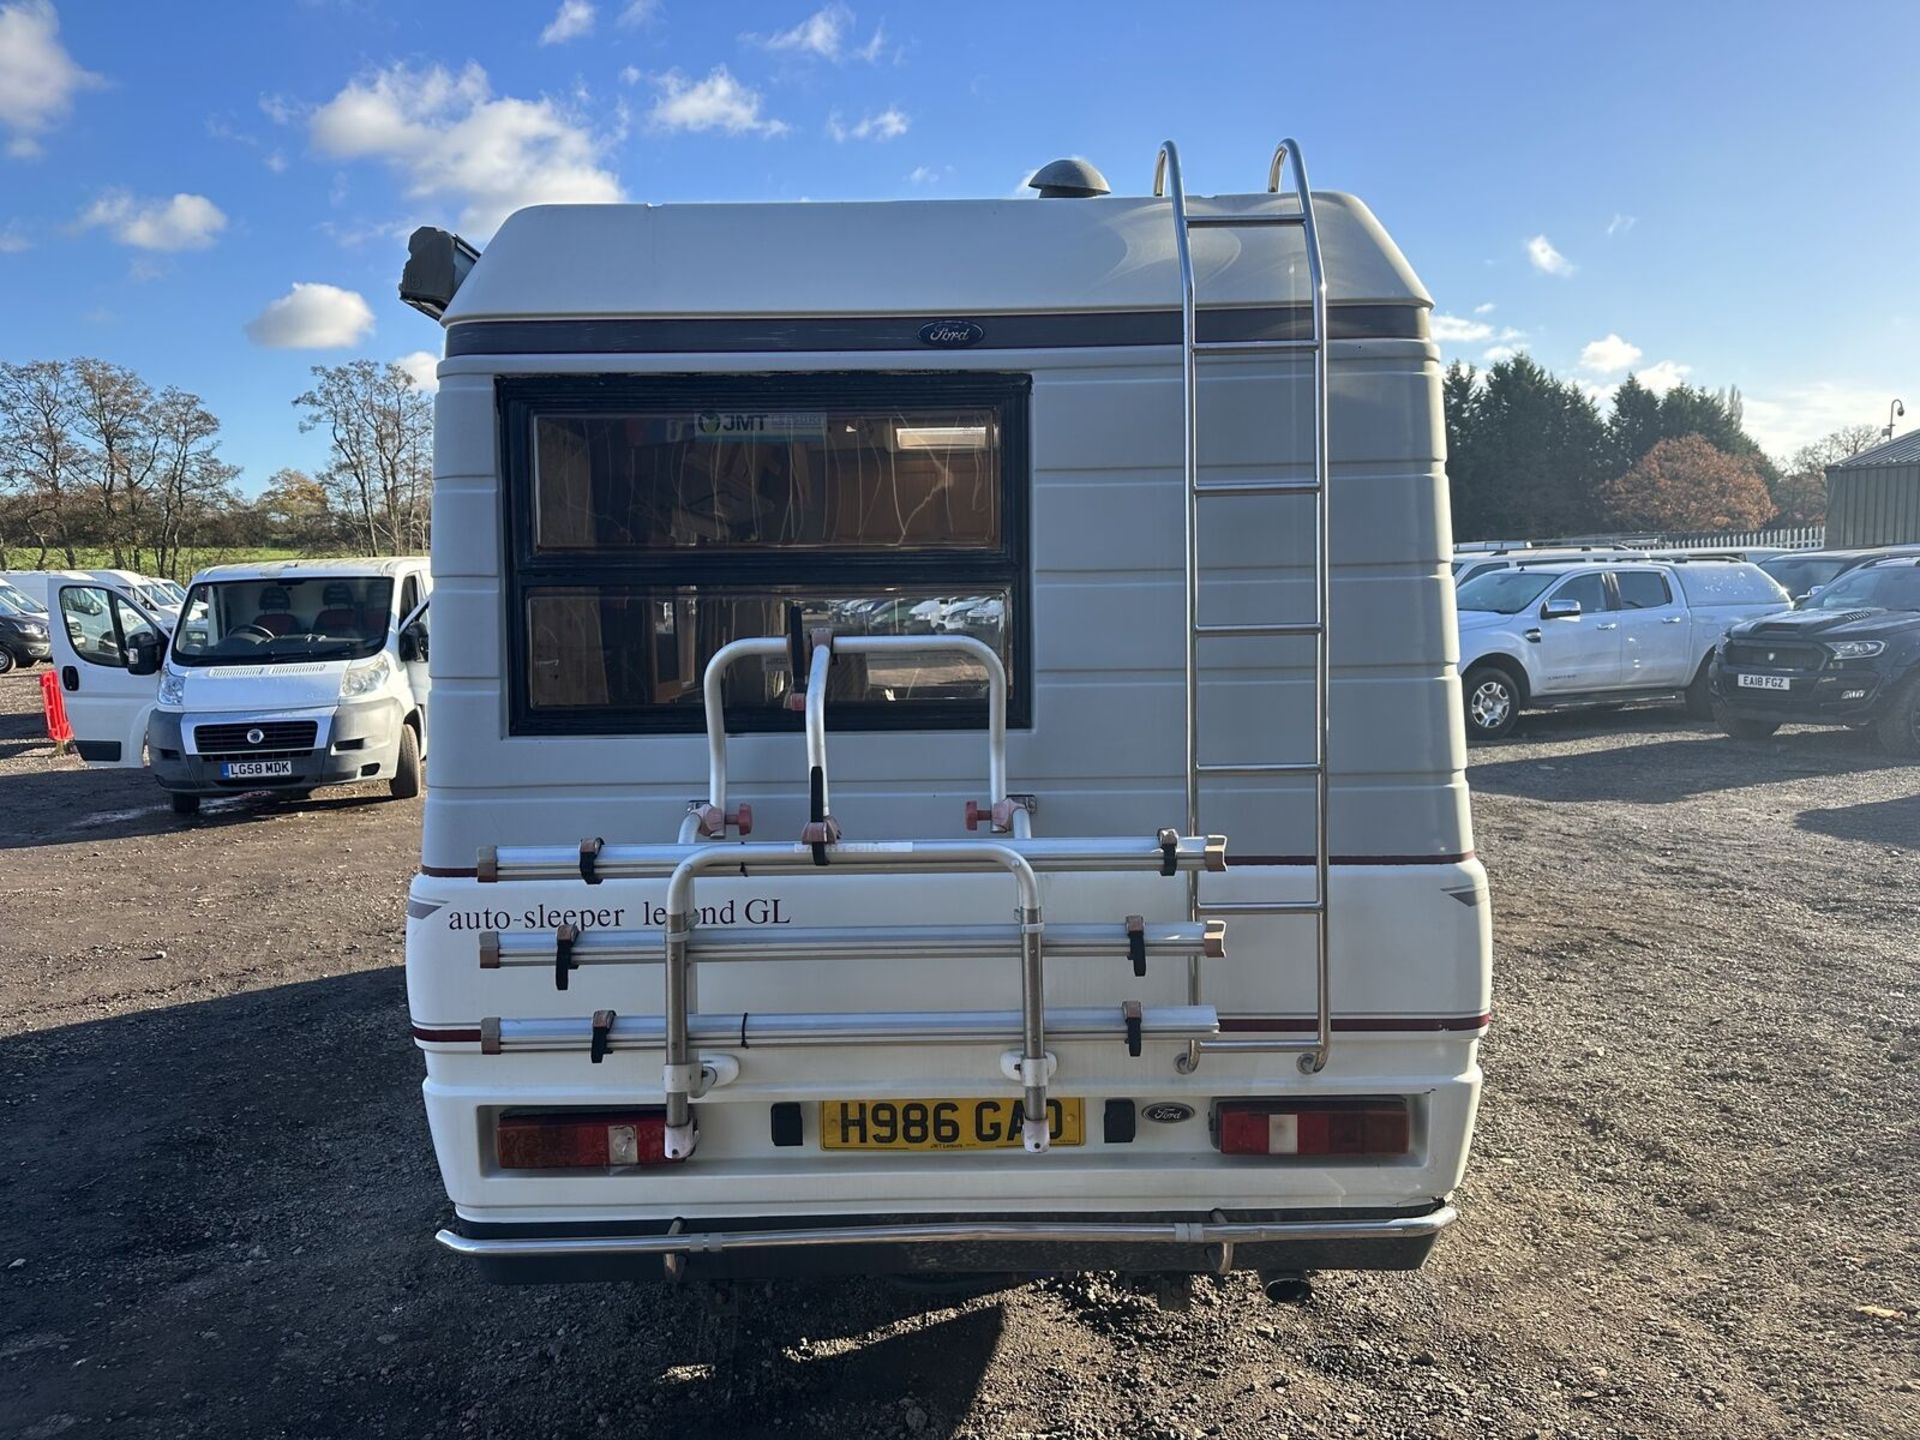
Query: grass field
point(189, 562)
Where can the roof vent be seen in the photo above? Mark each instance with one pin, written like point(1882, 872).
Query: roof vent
point(1069, 180)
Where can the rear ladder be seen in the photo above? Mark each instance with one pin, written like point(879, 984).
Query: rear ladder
point(1167, 180)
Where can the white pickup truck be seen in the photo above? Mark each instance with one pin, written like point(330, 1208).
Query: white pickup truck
point(1556, 636)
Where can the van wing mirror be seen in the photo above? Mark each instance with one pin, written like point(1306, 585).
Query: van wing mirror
point(143, 654)
point(1560, 610)
point(413, 642)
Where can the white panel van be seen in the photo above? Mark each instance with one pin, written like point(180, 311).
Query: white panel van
point(947, 747)
point(287, 675)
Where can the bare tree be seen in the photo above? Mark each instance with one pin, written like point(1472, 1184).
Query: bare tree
point(380, 425)
point(192, 483)
point(114, 420)
point(41, 459)
point(1801, 495)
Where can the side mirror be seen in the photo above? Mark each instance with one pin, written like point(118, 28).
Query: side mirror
point(413, 642)
point(143, 654)
point(1560, 610)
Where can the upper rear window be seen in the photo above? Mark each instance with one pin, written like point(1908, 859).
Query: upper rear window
point(654, 520)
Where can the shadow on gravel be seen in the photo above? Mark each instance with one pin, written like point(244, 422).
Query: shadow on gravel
point(216, 1219)
point(1664, 771)
point(74, 806)
point(1881, 822)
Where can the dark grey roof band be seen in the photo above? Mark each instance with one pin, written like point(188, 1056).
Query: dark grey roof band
point(903, 333)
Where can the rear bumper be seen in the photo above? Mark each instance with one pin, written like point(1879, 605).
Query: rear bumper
point(758, 1249)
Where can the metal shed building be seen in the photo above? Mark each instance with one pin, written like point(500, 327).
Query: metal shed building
point(1873, 498)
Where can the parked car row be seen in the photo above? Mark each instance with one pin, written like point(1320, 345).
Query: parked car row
point(1723, 637)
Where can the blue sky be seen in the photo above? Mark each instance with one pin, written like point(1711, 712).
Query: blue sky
point(218, 194)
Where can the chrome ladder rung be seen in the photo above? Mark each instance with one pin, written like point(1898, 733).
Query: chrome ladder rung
point(1285, 767)
point(1257, 487)
point(1229, 222)
point(1219, 632)
point(1251, 347)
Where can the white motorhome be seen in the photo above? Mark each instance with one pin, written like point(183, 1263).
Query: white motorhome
point(285, 675)
point(773, 918)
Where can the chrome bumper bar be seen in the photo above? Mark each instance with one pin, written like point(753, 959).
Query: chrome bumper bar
point(1412, 1227)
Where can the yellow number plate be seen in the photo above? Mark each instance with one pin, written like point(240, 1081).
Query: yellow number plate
point(940, 1124)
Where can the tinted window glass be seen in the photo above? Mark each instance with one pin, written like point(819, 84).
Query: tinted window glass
point(842, 478)
point(1801, 573)
point(1892, 586)
point(1590, 590)
point(1642, 590)
point(654, 521)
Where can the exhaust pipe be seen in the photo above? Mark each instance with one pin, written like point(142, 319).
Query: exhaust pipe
point(1287, 1288)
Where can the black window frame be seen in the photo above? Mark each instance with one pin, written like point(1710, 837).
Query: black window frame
point(519, 400)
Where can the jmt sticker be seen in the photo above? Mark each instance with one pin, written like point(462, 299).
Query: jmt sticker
point(725, 427)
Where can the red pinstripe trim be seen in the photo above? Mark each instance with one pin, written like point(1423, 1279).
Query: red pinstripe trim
point(1235, 862)
point(448, 1036)
point(1292, 1023)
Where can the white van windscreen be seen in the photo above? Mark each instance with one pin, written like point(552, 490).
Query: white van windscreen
point(648, 534)
point(266, 622)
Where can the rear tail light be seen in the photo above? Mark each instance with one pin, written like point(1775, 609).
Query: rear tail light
point(1305, 1127)
point(581, 1140)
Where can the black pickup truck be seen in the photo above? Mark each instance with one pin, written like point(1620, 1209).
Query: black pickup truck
point(1850, 656)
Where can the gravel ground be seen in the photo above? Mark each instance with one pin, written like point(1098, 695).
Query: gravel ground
point(1688, 1211)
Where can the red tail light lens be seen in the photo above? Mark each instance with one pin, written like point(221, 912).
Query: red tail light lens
point(581, 1140)
point(1301, 1127)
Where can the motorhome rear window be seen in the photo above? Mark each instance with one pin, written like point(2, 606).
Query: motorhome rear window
point(652, 521)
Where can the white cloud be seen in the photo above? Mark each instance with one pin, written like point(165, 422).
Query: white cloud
point(1486, 309)
point(452, 139)
point(420, 366)
point(890, 124)
point(1609, 356)
point(1452, 330)
point(1620, 224)
point(312, 317)
point(13, 238)
point(38, 78)
point(1494, 354)
point(928, 174)
point(1546, 259)
point(718, 102)
point(573, 19)
point(276, 162)
point(639, 12)
point(279, 109)
point(184, 222)
point(821, 33)
point(1783, 420)
point(630, 75)
point(1664, 376)
point(825, 34)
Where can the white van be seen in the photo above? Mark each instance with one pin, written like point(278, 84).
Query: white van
point(865, 834)
point(288, 675)
point(156, 597)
